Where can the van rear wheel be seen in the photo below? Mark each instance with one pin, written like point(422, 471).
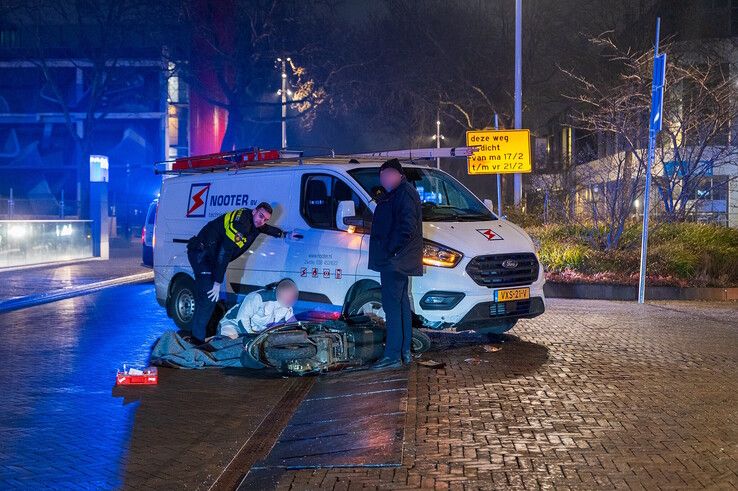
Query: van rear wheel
point(182, 303)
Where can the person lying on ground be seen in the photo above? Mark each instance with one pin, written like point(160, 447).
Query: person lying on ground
point(260, 309)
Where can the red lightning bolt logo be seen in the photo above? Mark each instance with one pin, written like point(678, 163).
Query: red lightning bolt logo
point(489, 234)
point(197, 200)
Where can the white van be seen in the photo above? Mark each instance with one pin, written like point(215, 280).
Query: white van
point(480, 272)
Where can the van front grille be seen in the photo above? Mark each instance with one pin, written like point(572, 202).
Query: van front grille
point(499, 270)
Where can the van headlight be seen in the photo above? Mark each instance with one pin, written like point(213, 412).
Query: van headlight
point(438, 255)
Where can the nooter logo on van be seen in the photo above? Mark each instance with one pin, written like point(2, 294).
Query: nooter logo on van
point(489, 234)
point(198, 200)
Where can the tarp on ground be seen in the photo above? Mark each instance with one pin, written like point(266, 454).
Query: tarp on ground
point(171, 350)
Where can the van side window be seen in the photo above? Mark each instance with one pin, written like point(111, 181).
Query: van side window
point(320, 197)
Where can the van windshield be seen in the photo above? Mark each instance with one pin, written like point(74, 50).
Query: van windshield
point(443, 198)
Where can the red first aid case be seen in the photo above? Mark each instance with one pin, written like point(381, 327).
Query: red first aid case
point(150, 376)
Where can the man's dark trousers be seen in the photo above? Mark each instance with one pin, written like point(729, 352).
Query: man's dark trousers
point(203, 305)
point(396, 305)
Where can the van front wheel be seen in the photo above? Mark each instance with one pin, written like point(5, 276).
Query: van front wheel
point(367, 303)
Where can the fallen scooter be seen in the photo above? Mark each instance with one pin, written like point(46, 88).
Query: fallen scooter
point(296, 348)
point(302, 348)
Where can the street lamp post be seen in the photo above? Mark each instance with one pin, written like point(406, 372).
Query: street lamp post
point(518, 178)
point(438, 137)
point(284, 92)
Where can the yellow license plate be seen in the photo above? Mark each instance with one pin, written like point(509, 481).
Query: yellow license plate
point(512, 294)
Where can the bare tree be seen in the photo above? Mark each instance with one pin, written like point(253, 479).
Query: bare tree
point(239, 48)
point(618, 113)
point(697, 138)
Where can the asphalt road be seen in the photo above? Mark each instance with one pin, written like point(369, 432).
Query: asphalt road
point(64, 425)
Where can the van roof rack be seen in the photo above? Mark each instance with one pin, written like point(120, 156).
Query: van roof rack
point(420, 153)
point(251, 157)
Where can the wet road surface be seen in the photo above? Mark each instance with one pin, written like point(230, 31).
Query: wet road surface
point(64, 425)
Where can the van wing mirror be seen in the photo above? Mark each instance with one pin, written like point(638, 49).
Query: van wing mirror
point(360, 225)
point(346, 209)
point(490, 206)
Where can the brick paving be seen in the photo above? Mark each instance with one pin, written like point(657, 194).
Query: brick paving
point(592, 395)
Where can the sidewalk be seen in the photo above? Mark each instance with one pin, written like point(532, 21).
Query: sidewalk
point(586, 396)
point(53, 279)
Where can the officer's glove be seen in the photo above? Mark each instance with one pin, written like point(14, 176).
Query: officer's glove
point(215, 292)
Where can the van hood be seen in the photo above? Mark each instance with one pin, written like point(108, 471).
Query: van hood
point(479, 238)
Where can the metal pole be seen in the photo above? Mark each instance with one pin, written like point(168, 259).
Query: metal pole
point(644, 236)
point(61, 205)
point(518, 178)
point(545, 207)
point(438, 137)
point(284, 104)
point(499, 181)
point(647, 191)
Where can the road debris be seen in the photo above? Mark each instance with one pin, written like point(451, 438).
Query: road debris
point(432, 364)
point(475, 361)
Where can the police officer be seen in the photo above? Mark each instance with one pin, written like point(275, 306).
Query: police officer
point(218, 243)
point(396, 252)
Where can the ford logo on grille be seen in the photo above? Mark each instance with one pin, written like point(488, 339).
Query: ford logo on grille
point(509, 263)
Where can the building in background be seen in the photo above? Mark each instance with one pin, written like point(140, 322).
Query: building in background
point(141, 117)
point(572, 164)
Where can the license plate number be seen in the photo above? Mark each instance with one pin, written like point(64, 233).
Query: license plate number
point(512, 294)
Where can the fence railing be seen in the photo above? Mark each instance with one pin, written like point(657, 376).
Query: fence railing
point(25, 242)
point(38, 208)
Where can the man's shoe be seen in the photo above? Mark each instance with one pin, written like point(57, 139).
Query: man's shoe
point(407, 358)
point(386, 363)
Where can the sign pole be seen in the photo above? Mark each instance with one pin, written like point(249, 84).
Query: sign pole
point(499, 181)
point(654, 126)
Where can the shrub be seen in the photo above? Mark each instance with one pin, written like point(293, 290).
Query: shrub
point(693, 254)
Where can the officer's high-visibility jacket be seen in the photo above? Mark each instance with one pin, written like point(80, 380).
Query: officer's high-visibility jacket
point(225, 238)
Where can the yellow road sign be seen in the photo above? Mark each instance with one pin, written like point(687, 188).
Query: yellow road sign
point(499, 151)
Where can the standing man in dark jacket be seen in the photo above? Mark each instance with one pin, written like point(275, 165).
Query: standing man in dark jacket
point(221, 241)
point(396, 252)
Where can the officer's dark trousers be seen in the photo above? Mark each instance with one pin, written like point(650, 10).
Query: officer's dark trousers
point(396, 304)
point(203, 305)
